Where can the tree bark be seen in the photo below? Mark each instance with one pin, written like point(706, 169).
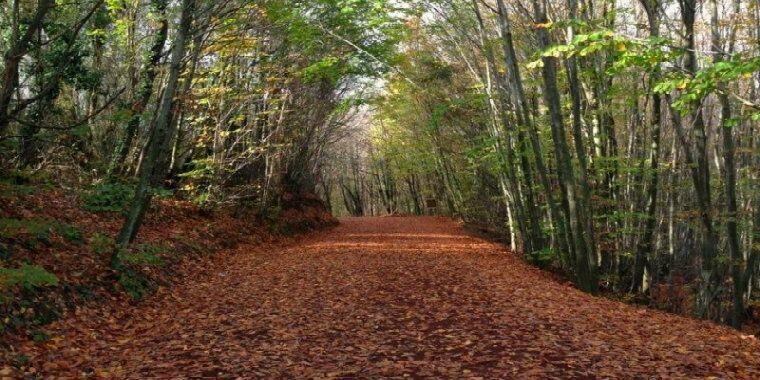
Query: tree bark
point(525, 209)
point(644, 248)
point(12, 58)
point(524, 117)
point(585, 214)
point(738, 265)
point(701, 172)
point(156, 146)
point(585, 273)
point(148, 75)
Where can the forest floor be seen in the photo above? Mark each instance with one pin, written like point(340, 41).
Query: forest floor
point(387, 297)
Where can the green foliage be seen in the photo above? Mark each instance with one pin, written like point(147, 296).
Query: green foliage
point(651, 54)
point(327, 69)
point(39, 230)
point(20, 183)
point(10, 228)
point(39, 336)
point(708, 80)
point(373, 27)
point(5, 251)
point(625, 52)
point(144, 254)
point(543, 258)
point(27, 276)
point(198, 179)
point(30, 307)
point(163, 193)
point(131, 280)
point(102, 244)
point(108, 197)
point(20, 360)
point(69, 232)
point(65, 57)
point(22, 177)
point(135, 284)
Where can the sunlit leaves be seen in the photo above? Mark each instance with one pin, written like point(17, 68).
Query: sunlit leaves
point(657, 54)
point(693, 88)
point(327, 69)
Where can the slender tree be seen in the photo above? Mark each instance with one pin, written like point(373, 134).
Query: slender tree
point(157, 140)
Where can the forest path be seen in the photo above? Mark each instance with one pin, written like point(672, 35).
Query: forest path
point(396, 297)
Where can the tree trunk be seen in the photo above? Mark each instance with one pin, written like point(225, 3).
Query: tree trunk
point(12, 58)
point(585, 273)
point(701, 173)
point(145, 87)
point(726, 125)
point(645, 245)
point(526, 209)
point(156, 146)
point(524, 117)
point(585, 211)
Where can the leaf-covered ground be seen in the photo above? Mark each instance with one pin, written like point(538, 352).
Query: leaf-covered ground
point(387, 297)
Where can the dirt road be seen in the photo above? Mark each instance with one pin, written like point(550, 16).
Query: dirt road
point(392, 297)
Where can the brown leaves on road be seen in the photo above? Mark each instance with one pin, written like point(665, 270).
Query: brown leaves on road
point(388, 297)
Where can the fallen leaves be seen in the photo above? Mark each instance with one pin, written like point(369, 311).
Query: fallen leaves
point(387, 297)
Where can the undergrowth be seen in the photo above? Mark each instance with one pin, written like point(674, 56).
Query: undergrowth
point(49, 265)
point(107, 197)
point(22, 300)
point(38, 230)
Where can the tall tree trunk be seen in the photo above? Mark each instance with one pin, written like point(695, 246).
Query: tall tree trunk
point(166, 162)
point(414, 193)
point(12, 58)
point(156, 142)
point(701, 172)
point(585, 214)
point(726, 125)
point(148, 75)
point(585, 274)
point(524, 117)
point(644, 248)
point(526, 210)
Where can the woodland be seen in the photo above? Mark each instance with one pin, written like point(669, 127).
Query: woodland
point(613, 141)
point(613, 144)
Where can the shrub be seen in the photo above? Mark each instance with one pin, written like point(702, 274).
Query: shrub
point(101, 243)
point(132, 281)
point(27, 276)
point(161, 192)
point(5, 251)
point(69, 232)
point(39, 336)
point(108, 197)
point(39, 229)
point(135, 284)
point(143, 254)
point(543, 258)
point(24, 183)
point(115, 196)
point(22, 301)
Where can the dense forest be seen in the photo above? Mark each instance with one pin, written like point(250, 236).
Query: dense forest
point(210, 121)
point(198, 97)
point(613, 142)
point(616, 141)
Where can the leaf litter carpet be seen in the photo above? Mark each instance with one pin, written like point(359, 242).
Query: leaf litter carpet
point(388, 298)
